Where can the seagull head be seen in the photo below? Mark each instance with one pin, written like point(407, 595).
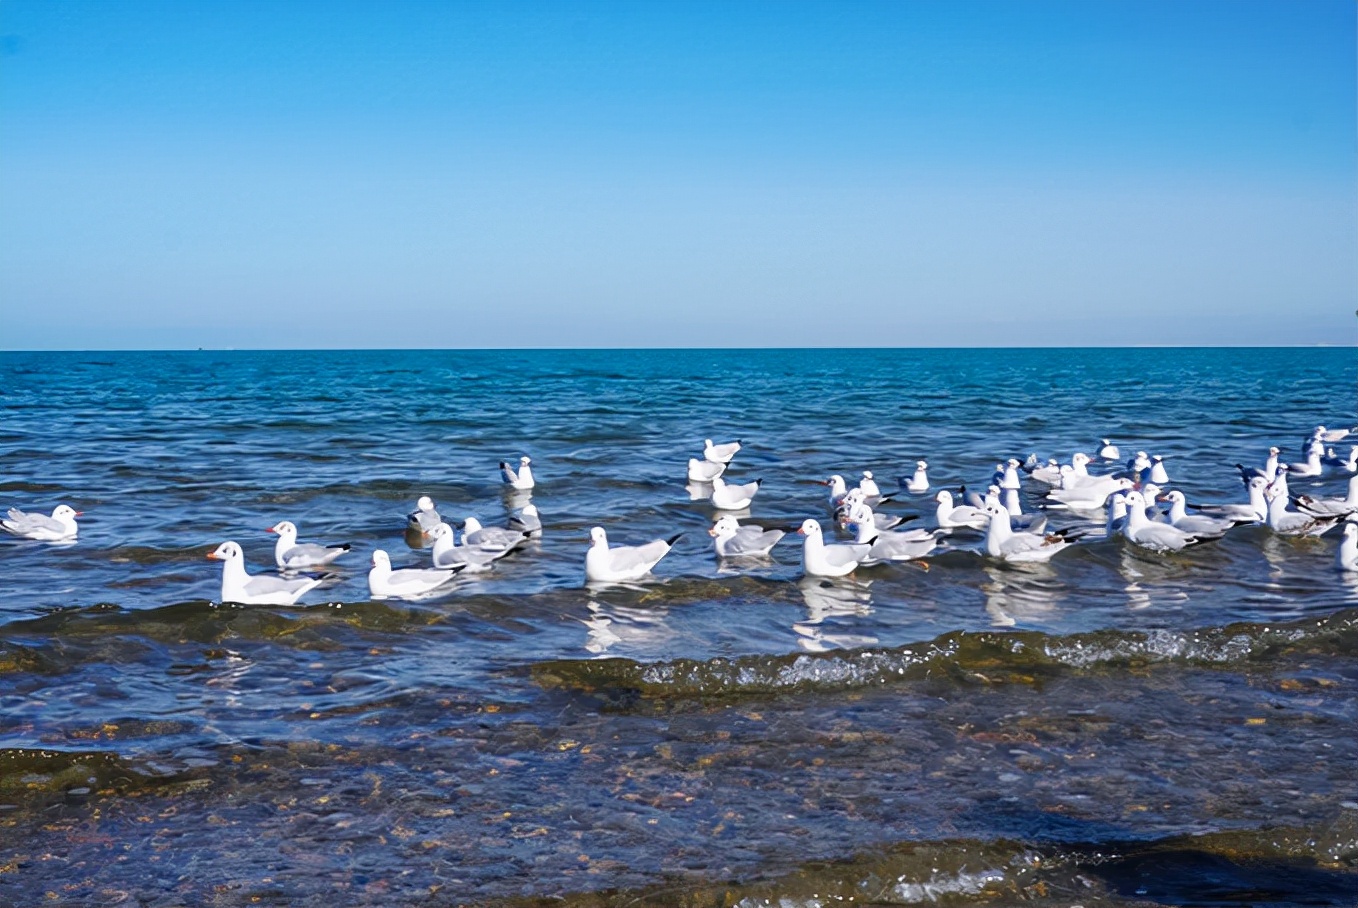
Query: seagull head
point(809, 528)
point(227, 551)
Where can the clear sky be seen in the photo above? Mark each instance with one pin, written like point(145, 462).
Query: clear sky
point(439, 174)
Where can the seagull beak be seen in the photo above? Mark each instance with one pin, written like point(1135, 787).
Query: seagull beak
point(270, 530)
point(212, 556)
point(79, 513)
point(712, 533)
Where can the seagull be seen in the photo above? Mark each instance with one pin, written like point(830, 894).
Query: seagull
point(1139, 466)
point(868, 486)
point(920, 481)
point(424, 518)
point(1268, 471)
point(1050, 472)
point(1348, 465)
point(1290, 523)
point(263, 589)
point(523, 479)
point(1158, 537)
point(1199, 525)
point(491, 538)
point(528, 519)
point(1108, 450)
point(290, 556)
point(447, 554)
point(1256, 510)
point(1009, 500)
point(901, 545)
point(838, 490)
point(835, 560)
point(406, 583)
point(731, 540)
point(1348, 548)
point(733, 497)
point(622, 562)
point(861, 516)
point(1009, 478)
point(704, 470)
point(1158, 474)
point(60, 527)
point(1330, 436)
point(1310, 467)
point(960, 517)
point(1089, 497)
point(1002, 542)
point(720, 453)
point(1117, 515)
point(1331, 507)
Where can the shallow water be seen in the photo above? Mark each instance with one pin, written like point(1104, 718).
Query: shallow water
point(1113, 728)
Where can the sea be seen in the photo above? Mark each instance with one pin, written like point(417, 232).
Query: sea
point(1115, 727)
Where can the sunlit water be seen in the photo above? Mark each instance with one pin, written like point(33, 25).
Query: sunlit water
point(1115, 727)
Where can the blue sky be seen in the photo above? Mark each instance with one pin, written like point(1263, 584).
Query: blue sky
point(437, 174)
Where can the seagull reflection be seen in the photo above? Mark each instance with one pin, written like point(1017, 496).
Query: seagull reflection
point(832, 598)
point(1014, 595)
point(228, 679)
point(515, 499)
point(608, 625)
point(699, 491)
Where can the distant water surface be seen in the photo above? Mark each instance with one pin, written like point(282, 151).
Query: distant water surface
point(1113, 728)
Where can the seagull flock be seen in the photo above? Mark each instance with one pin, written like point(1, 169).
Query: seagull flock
point(1125, 500)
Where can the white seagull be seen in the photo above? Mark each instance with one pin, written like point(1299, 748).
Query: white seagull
point(1199, 525)
point(622, 562)
point(289, 555)
point(527, 519)
point(1090, 497)
point(731, 540)
point(733, 497)
point(704, 470)
point(868, 486)
point(1256, 510)
point(1290, 523)
point(521, 480)
point(919, 482)
point(1331, 507)
point(495, 539)
point(821, 560)
point(448, 554)
point(1001, 541)
point(406, 583)
point(1158, 537)
point(960, 516)
point(720, 453)
point(60, 527)
point(1109, 451)
point(263, 589)
point(1348, 548)
point(424, 518)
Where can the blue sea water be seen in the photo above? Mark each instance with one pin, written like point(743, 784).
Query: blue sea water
point(1093, 728)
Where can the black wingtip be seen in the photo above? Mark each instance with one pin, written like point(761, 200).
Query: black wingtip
point(759, 481)
point(343, 545)
point(673, 539)
point(504, 464)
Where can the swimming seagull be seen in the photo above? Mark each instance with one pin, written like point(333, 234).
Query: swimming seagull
point(1311, 467)
point(447, 554)
point(720, 453)
point(1347, 464)
point(527, 519)
point(289, 555)
point(868, 486)
point(1290, 523)
point(1158, 537)
point(1158, 474)
point(1089, 497)
point(1330, 436)
point(263, 589)
point(834, 560)
point(838, 490)
point(60, 527)
point(1256, 510)
point(523, 479)
point(731, 540)
point(406, 583)
point(622, 562)
point(960, 516)
point(496, 539)
point(920, 481)
point(733, 497)
point(900, 545)
point(1199, 525)
point(704, 470)
point(424, 518)
point(1108, 450)
point(1002, 542)
point(1331, 507)
point(1348, 548)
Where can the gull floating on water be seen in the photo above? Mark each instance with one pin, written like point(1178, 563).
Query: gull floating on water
point(720, 453)
point(262, 589)
point(1002, 541)
point(448, 554)
point(1158, 537)
point(731, 540)
point(1311, 467)
point(1290, 523)
point(1158, 475)
point(839, 490)
point(899, 545)
point(704, 470)
point(1256, 510)
point(621, 563)
point(523, 479)
point(1109, 451)
point(960, 516)
point(727, 497)
point(919, 482)
point(289, 555)
point(856, 510)
point(833, 560)
point(1089, 497)
point(868, 486)
point(1200, 525)
point(1331, 507)
point(1348, 548)
point(1330, 436)
point(406, 583)
point(60, 527)
point(424, 518)
point(496, 539)
point(527, 519)
point(1347, 464)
